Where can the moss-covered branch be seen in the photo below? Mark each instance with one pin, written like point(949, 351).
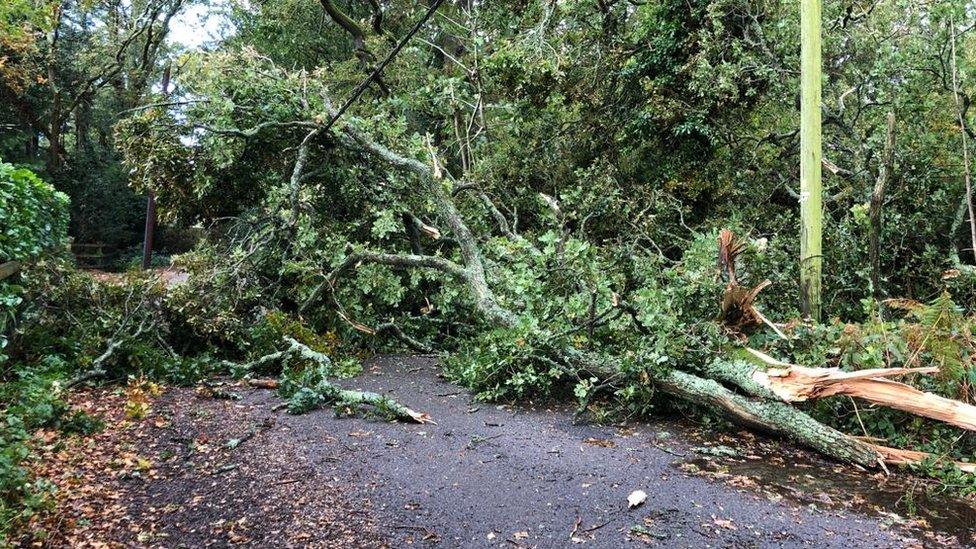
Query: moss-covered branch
point(325, 393)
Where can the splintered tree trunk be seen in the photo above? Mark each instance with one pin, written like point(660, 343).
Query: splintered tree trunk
point(771, 417)
point(811, 190)
point(759, 411)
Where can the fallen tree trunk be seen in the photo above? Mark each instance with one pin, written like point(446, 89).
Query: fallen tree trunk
point(767, 415)
point(772, 417)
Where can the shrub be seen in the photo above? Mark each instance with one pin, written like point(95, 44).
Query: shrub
point(35, 216)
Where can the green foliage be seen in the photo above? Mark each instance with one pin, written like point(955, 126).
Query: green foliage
point(35, 218)
point(506, 365)
point(951, 480)
point(104, 208)
point(30, 398)
point(306, 387)
point(35, 215)
point(213, 309)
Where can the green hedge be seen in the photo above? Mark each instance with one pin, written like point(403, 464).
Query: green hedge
point(33, 216)
point(33, 219)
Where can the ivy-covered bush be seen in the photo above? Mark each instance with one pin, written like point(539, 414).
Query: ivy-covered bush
point(33, 219)
point(34, 214)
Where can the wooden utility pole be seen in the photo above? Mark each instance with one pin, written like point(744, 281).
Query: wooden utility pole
point(811, 187)
point(147, 240)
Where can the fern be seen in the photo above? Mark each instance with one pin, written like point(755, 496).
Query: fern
point(945, 338)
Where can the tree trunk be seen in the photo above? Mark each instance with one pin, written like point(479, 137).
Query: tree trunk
point(83, 125)
point(55, 120)
point(772, 417)
point(54, 152)
point(877, 201)
point(965, 141)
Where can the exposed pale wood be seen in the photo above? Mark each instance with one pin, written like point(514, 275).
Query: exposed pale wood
point(793, 383)
point(263, 383)
point(897, 456)
point(738, 310)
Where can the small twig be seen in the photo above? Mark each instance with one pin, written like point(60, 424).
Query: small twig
point(476, 440)
point(858, 414)
point(667, 451)
point(769, 323)
point(598, 526)
point(579, 522)
point(428, 533)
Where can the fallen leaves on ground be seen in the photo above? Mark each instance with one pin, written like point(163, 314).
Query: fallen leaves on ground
point(603, 443)
point(163, 476)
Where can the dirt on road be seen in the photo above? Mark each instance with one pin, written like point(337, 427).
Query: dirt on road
point(200, 471)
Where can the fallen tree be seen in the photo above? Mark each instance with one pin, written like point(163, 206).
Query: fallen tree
point(472, 258)
point(760, 397)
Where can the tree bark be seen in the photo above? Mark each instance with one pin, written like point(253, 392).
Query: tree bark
point(772, 417)
point(965, 141)
point(877, 202)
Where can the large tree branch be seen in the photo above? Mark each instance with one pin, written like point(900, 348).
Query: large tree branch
point(402, 261)
point(297, 174)
point(432, 187)
point(328, 393)
point(253, 131)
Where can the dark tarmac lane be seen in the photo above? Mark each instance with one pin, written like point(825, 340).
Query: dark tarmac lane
point(492, 476)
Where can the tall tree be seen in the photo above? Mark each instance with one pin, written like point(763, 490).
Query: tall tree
point(89, 46)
